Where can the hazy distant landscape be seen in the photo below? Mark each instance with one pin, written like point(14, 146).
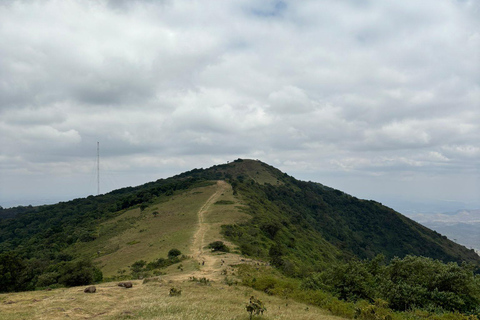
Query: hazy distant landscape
point(462, 226)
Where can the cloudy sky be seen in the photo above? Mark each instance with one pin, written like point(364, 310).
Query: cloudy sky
point(380, 99)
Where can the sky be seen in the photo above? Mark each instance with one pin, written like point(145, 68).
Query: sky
point(378, 98)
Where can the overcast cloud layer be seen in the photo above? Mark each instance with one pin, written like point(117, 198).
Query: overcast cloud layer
point(377, 98)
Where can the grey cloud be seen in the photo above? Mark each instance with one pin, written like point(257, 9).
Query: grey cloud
point(369, 88)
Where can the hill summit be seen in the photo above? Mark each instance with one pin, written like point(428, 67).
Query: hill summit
point(313, 222)
point(299, 227)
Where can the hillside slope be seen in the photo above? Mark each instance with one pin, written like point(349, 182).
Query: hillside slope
point(217, 297)
point(313, 223)
point(299, 226)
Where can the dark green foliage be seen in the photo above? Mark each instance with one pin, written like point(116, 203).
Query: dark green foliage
point(77, 273)
point(276, 253)
point(405, 284)
point(350, 281)
point(429, 284)
point(17, 274)
point(48, 279)
point(13, 273)
point(137, 266)
point(224, 202)
point(218, 246)
point(173, 253)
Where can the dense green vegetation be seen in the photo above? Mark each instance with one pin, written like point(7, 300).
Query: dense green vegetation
point(409, 288)
point(316, 235)
point(316, 223)
point(405, 284)
point(17, 274)
point(37, 239)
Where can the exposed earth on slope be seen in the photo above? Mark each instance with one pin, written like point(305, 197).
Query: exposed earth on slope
point(213, 266)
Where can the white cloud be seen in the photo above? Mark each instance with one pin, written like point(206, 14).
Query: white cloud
point(374, 88)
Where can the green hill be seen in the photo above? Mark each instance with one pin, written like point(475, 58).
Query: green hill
point(312, 222)
point(299, 226)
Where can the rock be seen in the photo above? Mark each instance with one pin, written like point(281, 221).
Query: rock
point(91, 289)
point(126, 284)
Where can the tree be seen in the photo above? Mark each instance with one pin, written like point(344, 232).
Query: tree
point(173, 253)
point(78, 273)
point(137, 266)
point(276, 252)
point(12, 273)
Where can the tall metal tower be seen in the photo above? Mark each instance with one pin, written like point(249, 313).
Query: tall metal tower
point(98, 168)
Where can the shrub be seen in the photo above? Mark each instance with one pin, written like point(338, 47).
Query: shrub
point(47, 279)
point(175, 292)
point(255, 306)
point(173, 253)
point(218, 246)
point(78, 273)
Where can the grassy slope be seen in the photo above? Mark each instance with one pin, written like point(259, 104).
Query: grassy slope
point(151, 301)
point(144, 236)
point(176, 222)
point(352, 226)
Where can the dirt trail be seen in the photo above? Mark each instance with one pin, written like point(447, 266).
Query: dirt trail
point(198, 253)
point(210, 264)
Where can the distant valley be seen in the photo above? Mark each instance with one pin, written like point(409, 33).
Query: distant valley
point(461, 226)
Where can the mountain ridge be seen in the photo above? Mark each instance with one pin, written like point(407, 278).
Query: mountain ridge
point(299, 226)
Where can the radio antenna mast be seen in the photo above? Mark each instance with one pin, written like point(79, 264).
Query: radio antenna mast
point(98, 168)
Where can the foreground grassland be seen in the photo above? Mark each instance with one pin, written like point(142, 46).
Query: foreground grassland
point(151, 301)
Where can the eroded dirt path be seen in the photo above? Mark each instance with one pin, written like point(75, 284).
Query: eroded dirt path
point(207, 262)
point(205, 258)
point(211, 265)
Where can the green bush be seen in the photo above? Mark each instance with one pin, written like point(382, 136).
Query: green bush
point(78, 273)
point(218, 246)
point(47, 279)
point(173, 253)
point(406, 284)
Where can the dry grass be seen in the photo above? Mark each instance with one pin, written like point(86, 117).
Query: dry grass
point(148, 237)
point(150, 301)
point(179, 219)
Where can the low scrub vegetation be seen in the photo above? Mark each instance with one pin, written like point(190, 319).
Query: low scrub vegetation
point(142, 269)
point(409, 288)
point(405, 284)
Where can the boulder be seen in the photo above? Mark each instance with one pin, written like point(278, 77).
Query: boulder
point(126, 284)
point(91, 289)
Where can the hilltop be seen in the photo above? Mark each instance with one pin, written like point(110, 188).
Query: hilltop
point(308, 224)
point(278, 234)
